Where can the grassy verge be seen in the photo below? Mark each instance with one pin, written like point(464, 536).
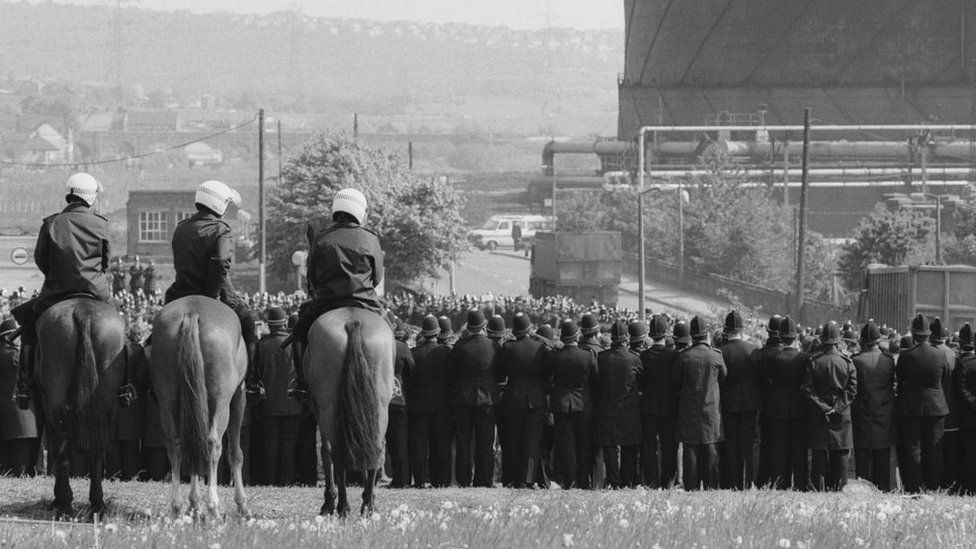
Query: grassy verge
point(286, 517)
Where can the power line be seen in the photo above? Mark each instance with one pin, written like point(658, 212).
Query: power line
point(127, 158)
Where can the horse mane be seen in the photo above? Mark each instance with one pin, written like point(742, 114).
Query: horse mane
point(358, 410)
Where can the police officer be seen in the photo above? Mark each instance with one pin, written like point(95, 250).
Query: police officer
point(658, 408)
point(637, 332)
point(203, 253)
point(118, 277)
point(573, 370)
point(698, 371)
point(830, 383)
point(475, 397)
point(496, 331)
point(281, 417)
point(123, 456)
point(428, 385)
point(396, 430)
point(681, 335)
point(136, 279)
point(19, 442)
point(618, 408)
point(964, 386)
point(762, 356)
point(785, 409)
point(921, 408)
point(952, 447)
point(873, 409)
point(149, 279)
point(741, 394)
point(345, 269)
point(446, 334)
point(590, 328)
point(522, 409)
point(72, 252)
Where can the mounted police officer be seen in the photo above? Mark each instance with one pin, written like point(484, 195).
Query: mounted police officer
point(203, 253)
point(72, 251)
point(830, 383)
point(345, 269)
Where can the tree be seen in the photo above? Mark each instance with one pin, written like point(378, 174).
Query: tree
point(891, 237)
point(417, 219)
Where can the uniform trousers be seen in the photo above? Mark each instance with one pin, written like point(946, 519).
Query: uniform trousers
point(307, 452)
point(874, 465)
point(572, 432)
point(700, 464)
point(474, 424)
point(786, 449)
point(968, 436)
point(18, 457)
point(621, 464)
point(953, 460)
point(156, 463)
point(122, 459)
point(521, 440)
point(430, 449)
point(659, 451)
point(828, 470)
point(279, 448)
point(920, 452)
point(735, 451)
point(396, 447)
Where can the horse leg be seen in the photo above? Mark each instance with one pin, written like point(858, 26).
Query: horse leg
point(340, 480)
point(194, 495)
point(96, 498)
point(213, 501)
point(367, 508)
point(235, 457)
point(328, 506)
point(62, 470)
point(175, 503)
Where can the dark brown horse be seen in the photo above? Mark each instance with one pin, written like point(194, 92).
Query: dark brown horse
point(80, 366)
point(349, 369)
point(197, 368)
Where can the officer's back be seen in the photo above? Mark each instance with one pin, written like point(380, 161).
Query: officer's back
point(573, 370)
point(474, 379)
point(202, 246)
point(72, 251)
point(920, 373)
point(783, 371)
point(429, 379)
point(521, 362)
point(659, 398)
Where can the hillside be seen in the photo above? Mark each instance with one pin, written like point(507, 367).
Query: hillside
point(388, 68)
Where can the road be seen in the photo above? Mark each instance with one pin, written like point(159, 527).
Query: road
point(507, 273)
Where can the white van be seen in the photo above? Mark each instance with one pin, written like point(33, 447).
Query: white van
point(497, 231)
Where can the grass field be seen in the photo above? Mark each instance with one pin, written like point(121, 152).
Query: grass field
point(286, 517)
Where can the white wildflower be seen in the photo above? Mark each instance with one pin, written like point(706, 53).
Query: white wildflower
point(624, 523)
point(61, 535)
point(737, 540)
point(859, 542)
point(784, 543)
point(111, 528)
point(447, 505)
point(568, 540)
point(535, 509)
point(214, 546)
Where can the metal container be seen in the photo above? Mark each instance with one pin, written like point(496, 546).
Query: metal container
point(584, 266)
point(895, 295)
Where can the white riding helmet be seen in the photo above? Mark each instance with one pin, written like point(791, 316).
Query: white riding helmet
point(84, 186)
point(216, 196)
point(351, 202)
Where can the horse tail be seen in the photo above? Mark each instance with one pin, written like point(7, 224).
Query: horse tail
point(358, 410)
point(91, 433)
point(192, 399)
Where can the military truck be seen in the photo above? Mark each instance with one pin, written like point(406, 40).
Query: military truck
point(583, 266)
point(894, 295)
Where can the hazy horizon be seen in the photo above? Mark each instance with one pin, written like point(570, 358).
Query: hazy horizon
point(518, 14)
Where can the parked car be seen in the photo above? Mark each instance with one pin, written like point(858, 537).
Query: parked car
point(497, 231)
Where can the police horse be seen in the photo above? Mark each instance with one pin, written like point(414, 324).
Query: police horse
point(197, 367)
point(349, 370)
point(79, 366)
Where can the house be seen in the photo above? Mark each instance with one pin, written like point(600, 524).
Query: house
point(151, 120)
point(44, 145)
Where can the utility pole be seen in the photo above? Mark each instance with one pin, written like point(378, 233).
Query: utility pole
point(262, 274)
point(681, 234)
point(801, 237)
point(410, 155)
point(641, 274)
point(355, 125)
point(279, 151)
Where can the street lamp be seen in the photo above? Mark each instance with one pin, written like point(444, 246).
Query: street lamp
point(298, 259)
point(938, 221)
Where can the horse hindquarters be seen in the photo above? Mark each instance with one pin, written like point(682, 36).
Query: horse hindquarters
point(358, 429)
point(191, 401)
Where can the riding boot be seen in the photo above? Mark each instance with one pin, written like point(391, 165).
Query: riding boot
point(300, 391)
point(24, 375)
point(252, 384)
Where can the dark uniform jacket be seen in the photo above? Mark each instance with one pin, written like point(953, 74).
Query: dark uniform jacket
point(874, 406)
point(783, 371)
point(521, 363)
point(428, 380)
point(402, 363)
point(657, 382)
point(698, 370)
point(129, 420)
point(742, 389)
point(472, 359)
point(830, 382)
point(964, 385)
point(951, 422)
point(14, 422)
point(618, 404)
point(277, 372)
point(573, 370)
point(921, 373)
point(203, 252)
point(72, 251)
point(345, 266)
point(593, 345)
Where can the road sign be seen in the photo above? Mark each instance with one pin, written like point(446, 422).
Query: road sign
point(19, 256)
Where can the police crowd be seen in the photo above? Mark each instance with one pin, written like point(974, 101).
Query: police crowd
point(601, 400)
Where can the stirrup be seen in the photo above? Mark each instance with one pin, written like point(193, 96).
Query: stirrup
point(127, 395)
point(23, 399)
point(298, 392)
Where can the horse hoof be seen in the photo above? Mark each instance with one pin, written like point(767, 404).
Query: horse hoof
point(63, 511)
point(176, 511)
point(344, 511)
point(366, 510)
point(327, 510)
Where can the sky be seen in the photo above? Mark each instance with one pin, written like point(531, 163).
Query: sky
point(519, 14)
